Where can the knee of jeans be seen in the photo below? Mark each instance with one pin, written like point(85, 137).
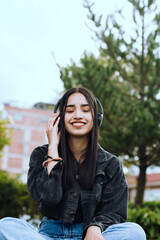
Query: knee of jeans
point(136, 232)
point(5, 222)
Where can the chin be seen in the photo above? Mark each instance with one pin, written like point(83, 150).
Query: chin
point(79, 133)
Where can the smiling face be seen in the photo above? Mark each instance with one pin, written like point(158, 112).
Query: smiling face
point(78, 118)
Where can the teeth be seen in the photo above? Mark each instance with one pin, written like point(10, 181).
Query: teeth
point(78, 124)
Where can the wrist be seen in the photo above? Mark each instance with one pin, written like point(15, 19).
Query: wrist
point(94, 232)
point(53, 151)
point(95, 228)
point(53, 146)
point(50, 165)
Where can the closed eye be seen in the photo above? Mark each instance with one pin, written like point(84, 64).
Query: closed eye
point(86, 109)
point(69, 109)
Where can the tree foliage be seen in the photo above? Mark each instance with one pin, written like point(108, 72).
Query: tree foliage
point(4, 133)
point(15, 200)
point(126, 78)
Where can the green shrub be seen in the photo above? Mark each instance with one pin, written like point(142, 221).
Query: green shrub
point(15, 200)
point(148, 218)
point(152, 205)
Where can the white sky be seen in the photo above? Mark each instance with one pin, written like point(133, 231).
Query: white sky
point(30, 30)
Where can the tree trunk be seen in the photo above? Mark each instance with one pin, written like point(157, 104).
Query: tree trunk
point(141, 180)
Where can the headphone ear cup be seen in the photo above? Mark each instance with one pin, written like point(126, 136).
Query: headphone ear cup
point(56, 106)
point(99, 114)
point(99, 119)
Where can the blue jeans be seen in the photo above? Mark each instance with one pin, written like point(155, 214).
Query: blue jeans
point(49, 229)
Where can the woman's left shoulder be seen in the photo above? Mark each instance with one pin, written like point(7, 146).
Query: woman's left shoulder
point(108, 160)
point(104, 155)
point(109, 163)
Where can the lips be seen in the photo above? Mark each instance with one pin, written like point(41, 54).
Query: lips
point(78, 124)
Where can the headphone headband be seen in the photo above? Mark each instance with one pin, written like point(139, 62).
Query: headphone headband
point(100, 114)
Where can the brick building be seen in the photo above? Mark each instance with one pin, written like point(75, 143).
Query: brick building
point(28, 131)
point(152, 191)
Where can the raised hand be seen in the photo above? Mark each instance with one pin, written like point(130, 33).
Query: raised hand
point(53, 138)
point(52, 130)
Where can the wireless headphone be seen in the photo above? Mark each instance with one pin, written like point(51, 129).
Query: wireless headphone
point(99, 115)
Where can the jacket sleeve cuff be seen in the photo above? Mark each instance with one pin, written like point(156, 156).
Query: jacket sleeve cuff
point(58, 166)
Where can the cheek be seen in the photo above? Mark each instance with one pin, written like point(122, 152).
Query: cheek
point(66, 118)
point(92, 124)
point(91, 121)
point(65, 121)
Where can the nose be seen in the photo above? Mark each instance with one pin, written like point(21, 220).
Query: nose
point(77, 113)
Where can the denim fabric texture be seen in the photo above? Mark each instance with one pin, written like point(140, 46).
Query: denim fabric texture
point(49, 229)
point(104, 205)
point(56, 229)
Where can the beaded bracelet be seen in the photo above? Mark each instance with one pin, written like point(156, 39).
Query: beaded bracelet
point(50, 160)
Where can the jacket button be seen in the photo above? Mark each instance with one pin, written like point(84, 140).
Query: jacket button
point(75, 195)
point(71, 213)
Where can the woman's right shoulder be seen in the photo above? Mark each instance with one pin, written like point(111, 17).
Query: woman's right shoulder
point(41, 149)
point(39, 153)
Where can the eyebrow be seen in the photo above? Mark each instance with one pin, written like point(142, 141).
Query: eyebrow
point(82, 105)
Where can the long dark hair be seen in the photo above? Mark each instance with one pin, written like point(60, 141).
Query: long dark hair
point(88, 166)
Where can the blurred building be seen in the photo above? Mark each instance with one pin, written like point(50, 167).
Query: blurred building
point(28, 131)
point(152, 191)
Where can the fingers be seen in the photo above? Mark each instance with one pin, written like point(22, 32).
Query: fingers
point(53, 121)
point(57, 121)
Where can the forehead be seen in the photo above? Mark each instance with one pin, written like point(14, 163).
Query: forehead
point(77, 98)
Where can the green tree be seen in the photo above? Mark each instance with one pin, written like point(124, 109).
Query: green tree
point(126, 78)
point(15, 200)
point(4, 133)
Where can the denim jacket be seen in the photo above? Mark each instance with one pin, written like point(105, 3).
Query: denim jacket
point(104, 205)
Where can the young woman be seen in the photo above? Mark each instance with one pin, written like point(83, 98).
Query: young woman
point(81, 187)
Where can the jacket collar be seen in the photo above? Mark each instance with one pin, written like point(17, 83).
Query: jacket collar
point(101, 155)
